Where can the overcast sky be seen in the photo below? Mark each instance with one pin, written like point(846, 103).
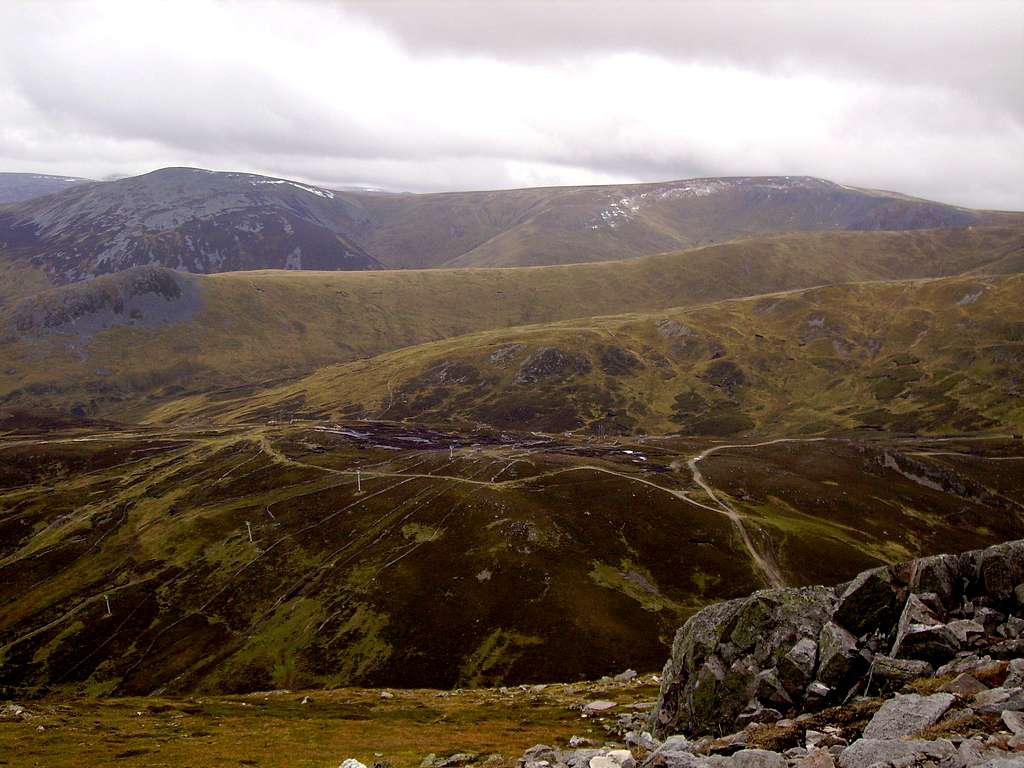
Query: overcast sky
point(920, 97)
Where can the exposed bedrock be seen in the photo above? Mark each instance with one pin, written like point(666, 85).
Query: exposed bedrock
point(794, 650)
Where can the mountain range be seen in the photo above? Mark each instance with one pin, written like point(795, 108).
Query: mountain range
point(258, 434)
point(200, 221)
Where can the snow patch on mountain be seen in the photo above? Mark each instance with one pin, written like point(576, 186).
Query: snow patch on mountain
point(325, 193)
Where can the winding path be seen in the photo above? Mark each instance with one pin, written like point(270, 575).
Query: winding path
point(767, 565)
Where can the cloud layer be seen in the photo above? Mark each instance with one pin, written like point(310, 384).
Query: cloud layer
point(923, 98)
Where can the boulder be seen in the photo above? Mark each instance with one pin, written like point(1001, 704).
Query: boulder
point(866, 752)
point(674, 752)
point(579, 758)
point(820, 740)
point(906, 715)
point(964, 685)
point(1002, 569)
point(1007, 649)
point(992, 696)
point(989, 618)
point(1013, 627)
point(615, 758)
point(920, 635)
point(819, 758)
point(999, 700)
point(1015, 674)
point(535, 756)
point(966, 631)
point(889, 674)
point(729, 744)
point(701, 694)
point(943, 577)
point(838, 657)
point(748, 758)
point(1014, 721)
point(869, 602)
point(768, 688)
point(817, 696)
point(800, 648)
point(970, 751)
point(598, 706)
point(796, 667)
point(983, 667)
point(642, 740)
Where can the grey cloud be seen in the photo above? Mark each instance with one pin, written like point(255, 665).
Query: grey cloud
point(976, 47)
point(917, 97)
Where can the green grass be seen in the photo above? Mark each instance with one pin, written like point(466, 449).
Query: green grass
point(275, 729)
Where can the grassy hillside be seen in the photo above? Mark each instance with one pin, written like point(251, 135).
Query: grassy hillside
point(559, 225)
point(930, 356)
point(19, 280)
point(98, 347)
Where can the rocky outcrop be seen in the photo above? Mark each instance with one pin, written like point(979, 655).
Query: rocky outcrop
point(807, 678)
point(144, 297)
point(552, 363)
point(804, 648)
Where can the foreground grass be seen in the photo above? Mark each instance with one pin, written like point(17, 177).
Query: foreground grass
point(276, 729)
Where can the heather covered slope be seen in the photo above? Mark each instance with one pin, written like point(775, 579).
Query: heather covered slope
point(102, 345)
point(939, 355)
point(257, 558)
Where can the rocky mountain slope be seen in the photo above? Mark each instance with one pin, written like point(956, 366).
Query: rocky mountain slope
point(16, 187)
point(200, 221)
point(185, 219)
point(93, 345)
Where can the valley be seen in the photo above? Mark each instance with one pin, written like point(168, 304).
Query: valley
point(299, 555)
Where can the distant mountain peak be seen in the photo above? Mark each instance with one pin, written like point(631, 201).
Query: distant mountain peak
point(16, 187)
point(197, 220)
